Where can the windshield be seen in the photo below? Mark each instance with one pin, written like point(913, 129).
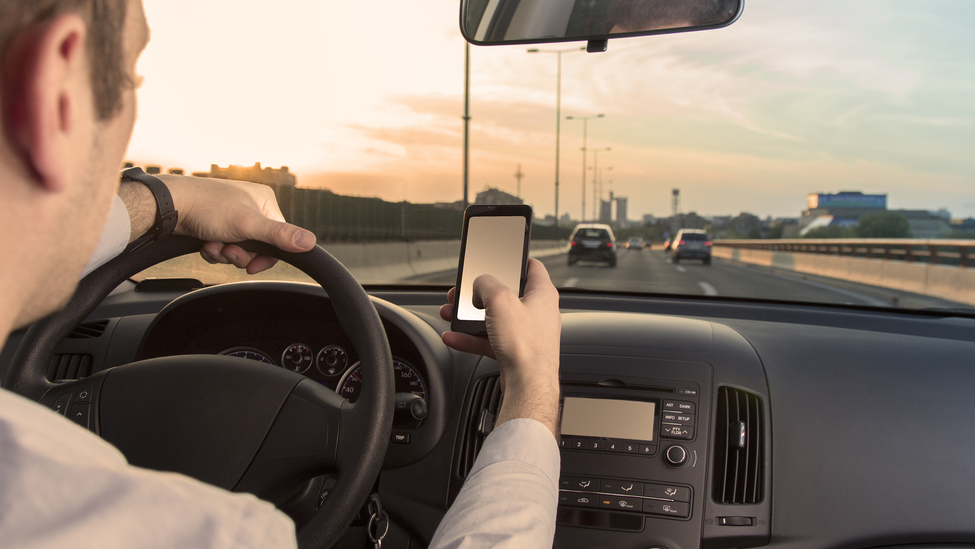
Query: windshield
point(822, 148)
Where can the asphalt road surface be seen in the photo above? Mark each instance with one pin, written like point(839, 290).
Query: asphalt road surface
point(651, 271)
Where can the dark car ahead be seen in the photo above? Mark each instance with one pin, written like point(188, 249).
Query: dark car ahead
point(692, 244)
point(592, 242)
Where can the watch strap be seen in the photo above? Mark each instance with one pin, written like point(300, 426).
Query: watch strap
point(166, 214)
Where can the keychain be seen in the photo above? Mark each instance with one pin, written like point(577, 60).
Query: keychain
point(377, 518)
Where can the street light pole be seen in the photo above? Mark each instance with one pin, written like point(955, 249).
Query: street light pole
point(467, 116)
point(595, 173)
point(558, 117)
point(585, 124)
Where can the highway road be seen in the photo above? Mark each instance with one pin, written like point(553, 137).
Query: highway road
point(651, 271)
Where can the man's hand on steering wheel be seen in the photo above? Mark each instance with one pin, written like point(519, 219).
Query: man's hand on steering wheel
point(220, 211)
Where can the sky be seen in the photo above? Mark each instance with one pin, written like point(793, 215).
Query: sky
point(366, 98)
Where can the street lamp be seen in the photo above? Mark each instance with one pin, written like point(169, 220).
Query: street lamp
point(585, 121)
point(595, 172)
point(558, 116)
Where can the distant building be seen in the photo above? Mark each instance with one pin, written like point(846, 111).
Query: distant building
point(272, 177)
point(846, 200)
point(621, 207)
point(963, 225)
point(492, 197)
point(566, 220)
point(845, 209)
point(605, 211)
point(649, 219)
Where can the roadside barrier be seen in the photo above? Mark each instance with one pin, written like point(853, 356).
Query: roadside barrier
point(370, 263)
point(939, 268)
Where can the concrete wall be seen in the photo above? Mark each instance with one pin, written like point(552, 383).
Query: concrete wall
point(951, 283)
point(373, 263)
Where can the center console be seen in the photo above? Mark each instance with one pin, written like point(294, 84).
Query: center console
point(634, 452)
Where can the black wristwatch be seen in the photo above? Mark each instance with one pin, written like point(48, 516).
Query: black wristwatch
point(166, 214)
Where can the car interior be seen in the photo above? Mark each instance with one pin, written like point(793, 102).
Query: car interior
point(689, 421)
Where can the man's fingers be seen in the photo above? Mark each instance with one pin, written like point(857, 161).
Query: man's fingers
point(261, 263)
point(282, 235)
point(486, 287)
point(447, 311)
point(467, 343)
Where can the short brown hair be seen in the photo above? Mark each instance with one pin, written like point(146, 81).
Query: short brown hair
point(105, 43)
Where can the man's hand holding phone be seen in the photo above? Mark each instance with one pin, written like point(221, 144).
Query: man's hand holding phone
point(523, 335)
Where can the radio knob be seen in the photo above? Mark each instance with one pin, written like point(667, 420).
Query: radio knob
point(676, 456)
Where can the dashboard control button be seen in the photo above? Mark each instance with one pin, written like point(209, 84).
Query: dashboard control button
point(576, 499)
point(677, 431)
point(622, 487)
point(647, 450)
point(563, 442)
point(736, 521)
point(84, 395)
point(676, 456)
point(61, 404)
point(667, 491)
point(629, 448)
point(577, 444)
point(621, 503)
point(667, 508)
point(401, 438)
point(678, 418)
point(687, 392)
point(79, 414)
point(594, 445)
point(579, 484)
point(612, 446)
point(679, 406)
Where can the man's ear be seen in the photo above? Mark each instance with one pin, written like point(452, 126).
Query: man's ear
point(46, 82)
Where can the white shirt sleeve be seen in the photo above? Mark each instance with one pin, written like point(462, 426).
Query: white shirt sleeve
point(511, 494)
point(114, 239)
point(62, 486)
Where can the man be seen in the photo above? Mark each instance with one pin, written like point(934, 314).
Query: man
point(68, 108)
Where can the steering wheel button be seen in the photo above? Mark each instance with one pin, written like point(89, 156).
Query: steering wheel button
point(84, 395)
point(79, 414)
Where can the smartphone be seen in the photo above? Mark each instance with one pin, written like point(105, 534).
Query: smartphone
point(495, 242)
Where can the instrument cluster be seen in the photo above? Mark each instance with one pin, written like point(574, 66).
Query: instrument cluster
point(334, 367)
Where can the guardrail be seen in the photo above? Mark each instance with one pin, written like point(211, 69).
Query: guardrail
point(939, 268)
point(955, 253)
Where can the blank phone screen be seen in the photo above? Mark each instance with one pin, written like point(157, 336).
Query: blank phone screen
point(494, 246)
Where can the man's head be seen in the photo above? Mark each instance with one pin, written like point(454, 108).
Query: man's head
point(67, 72)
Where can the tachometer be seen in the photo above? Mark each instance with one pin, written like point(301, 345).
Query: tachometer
point(248, 353)
point(408, 380)
point(297, 358)
point(332, 360)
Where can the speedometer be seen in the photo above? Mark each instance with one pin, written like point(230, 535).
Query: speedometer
point(408, 380)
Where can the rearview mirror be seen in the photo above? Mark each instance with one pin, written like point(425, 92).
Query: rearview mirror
point(493, 22)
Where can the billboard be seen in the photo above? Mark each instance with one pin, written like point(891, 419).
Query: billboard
point(848, 200)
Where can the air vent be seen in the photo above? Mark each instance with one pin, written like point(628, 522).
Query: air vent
point(90, 330)
point(67, 367)
point(485, 404)
point(739, 455)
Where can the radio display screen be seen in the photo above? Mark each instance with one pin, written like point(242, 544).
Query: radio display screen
point(605, 418)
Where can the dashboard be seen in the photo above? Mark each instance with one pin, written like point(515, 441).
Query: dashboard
point(686, 422)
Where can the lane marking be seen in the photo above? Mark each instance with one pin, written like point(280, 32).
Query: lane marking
point(680, 269)
point(708, 289)
point(570, 283)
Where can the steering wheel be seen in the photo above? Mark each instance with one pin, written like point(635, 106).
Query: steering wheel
point(232, 422)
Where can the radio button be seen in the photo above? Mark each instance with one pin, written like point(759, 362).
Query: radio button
point(621, 503)
point(687, 392)
point(647, 450)
point(677, 431)
point(622, 487)
point(679, 406)
point(577, 444)
point(596, 445)
point(579, 484)
point(665, 508)
point(576, 499)
point(666, 491)
point(629, 448)
point(675, 417)
point(612, 446)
